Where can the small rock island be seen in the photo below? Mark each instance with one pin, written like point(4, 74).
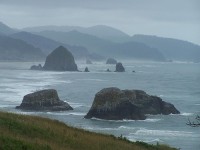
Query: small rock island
point(59, 60)
point(115, 104)
point(111, 61)
point(119, 67)
point(44, 100)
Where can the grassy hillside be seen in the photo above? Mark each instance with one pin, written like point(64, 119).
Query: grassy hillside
point(20, 132)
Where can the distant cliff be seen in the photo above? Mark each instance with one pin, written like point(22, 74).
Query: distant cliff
point(172, 49)
point(17, 50)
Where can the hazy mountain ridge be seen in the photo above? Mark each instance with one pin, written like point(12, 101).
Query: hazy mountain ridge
point(17, 50)
point(101, 31)
point(97, 41)
point(48, 45)
point(6, 30)
point(105, 47)
point(173, 49)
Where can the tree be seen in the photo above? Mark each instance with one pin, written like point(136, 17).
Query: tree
point(195, 123)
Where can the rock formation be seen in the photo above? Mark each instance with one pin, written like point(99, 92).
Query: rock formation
point(119, 67)
point(60, 60)
point(111, 61)
point(86, 69)
point(115, 104)
point(35, 67)
point(108, 70)
point(44, 100)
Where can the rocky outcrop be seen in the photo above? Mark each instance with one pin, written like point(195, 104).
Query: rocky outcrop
point(35, 67)
point(44, 100)
point(115, 104)
point(111, 61)
point(108, 70)
point(88, 61)
point(86, 69)
point(119, 67)
point(60, 60)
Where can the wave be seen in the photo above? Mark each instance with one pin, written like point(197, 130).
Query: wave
point(99, 80)
point(151, 120)
point(124, 120)
point(66, 113)
point(186, 114)
point(168, 133)
point(77, 114)
point(76, 105)
point(99, 129)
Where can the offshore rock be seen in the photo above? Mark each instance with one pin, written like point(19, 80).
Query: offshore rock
point(86, 69)
point(44, 100)
point(111, 61)
point(119, 67)
point(115, 104)
point(60, 60)
point(35, 67)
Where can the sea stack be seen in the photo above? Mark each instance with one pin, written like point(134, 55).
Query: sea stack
point(111, 61)
point(119, 67)
point(44, 100)
point(115, 104)
point(60, 60)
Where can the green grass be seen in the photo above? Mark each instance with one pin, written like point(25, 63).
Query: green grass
point(21, 132)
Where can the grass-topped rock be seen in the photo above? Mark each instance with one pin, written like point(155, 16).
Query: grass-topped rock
point(115, 104)
point(44, 100)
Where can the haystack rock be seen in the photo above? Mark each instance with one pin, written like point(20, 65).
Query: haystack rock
point(111, 61)
point(115, 104)
point(44, 100)
point(60, 60)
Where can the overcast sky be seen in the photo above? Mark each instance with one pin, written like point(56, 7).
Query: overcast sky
point(169, 18)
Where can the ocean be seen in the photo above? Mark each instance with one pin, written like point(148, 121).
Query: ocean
point(175, 82)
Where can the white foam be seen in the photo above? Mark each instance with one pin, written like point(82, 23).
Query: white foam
point(186, 114)
point(76, 105)
point(151, 120)
point(77, 114)
point(126, 127)
point(99, 80)
point(124, 120)
point(168, 133)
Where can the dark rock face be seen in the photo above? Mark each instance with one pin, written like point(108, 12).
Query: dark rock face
point(111, 61)
point(44, 100)
point(119, 67)
point(115, 104)
point(60, 60)
point(35, 67)
point(86, 69)
point(108, 70)
point(88, 61)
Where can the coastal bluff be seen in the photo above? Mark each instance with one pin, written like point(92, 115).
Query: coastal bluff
point(44, 100)
point(115, 104)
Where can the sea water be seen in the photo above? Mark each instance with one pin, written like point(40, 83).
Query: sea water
point(175, 82)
